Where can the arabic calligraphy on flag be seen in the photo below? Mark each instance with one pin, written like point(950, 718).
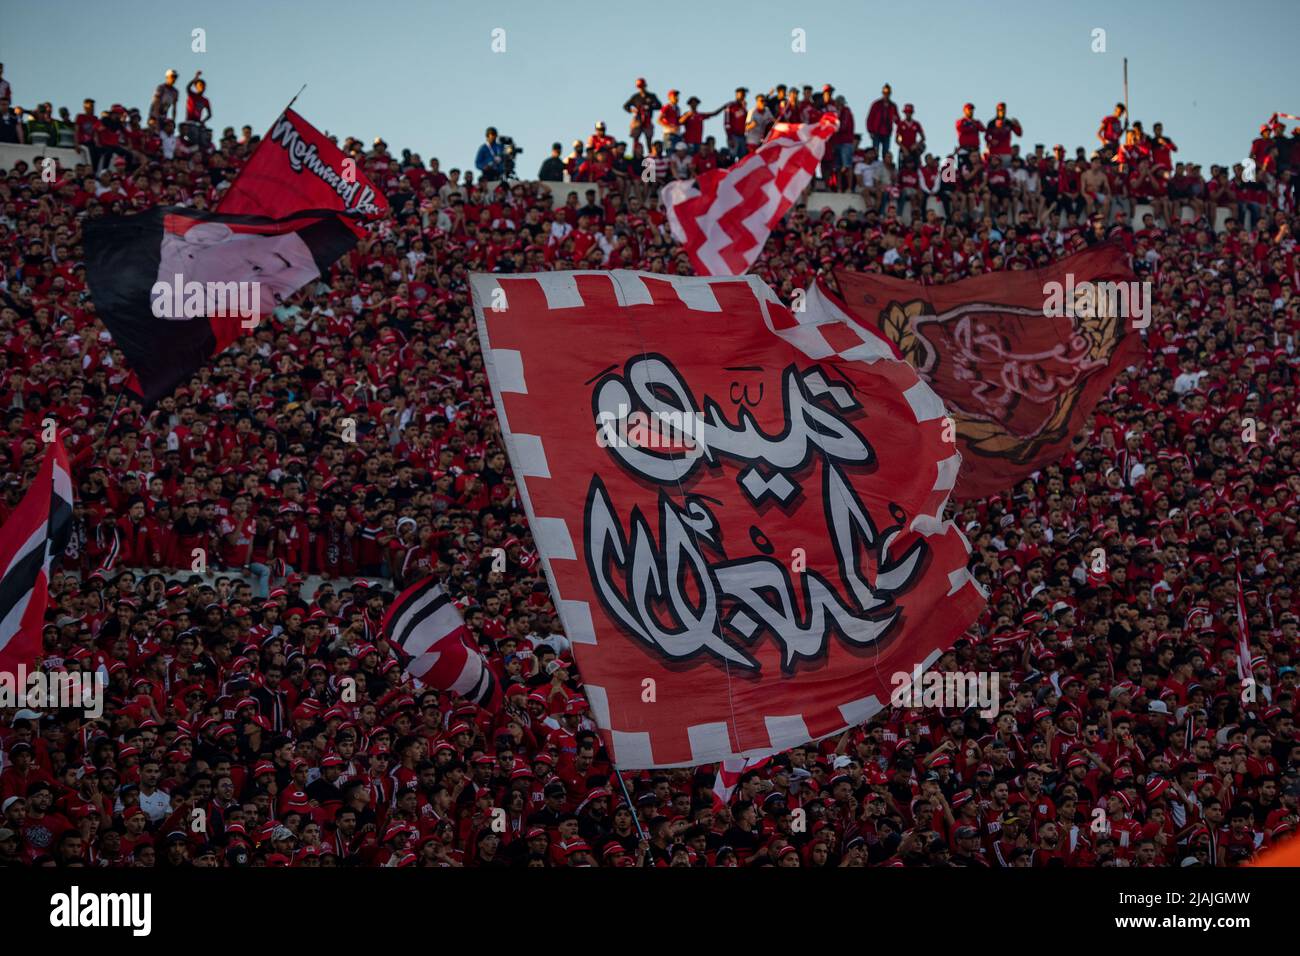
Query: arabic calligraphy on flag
point(769, 566)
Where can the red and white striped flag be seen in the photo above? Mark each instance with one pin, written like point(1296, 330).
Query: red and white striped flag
point(34, 536)
point(730, 771)
point(426, 624)
point(723, 218)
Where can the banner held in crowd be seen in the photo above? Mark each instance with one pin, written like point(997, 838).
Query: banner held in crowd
point(1020, 357)
point(748, 573)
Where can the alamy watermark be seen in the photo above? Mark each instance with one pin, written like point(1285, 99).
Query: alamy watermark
point(948, 689)
point(1096, 300)
point(39, 690)
point(76, 909)
point(178, 299)
point(671, 431)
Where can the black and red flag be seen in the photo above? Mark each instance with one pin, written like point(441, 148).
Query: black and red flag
point(36, 533)
point(174, 286)
point(1020, 358)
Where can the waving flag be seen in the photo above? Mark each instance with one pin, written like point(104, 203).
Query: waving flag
point(175, 286)
point(1021, 357)
point(723, 218)
point(427, 626)
point(295, 168)
point(36, 533)
point(740, 517)
point(1244, 669)
point(729, 773)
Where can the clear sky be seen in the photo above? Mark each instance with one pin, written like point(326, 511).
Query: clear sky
point(424, 75)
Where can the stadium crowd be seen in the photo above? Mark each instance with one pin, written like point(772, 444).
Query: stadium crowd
point(249, 723)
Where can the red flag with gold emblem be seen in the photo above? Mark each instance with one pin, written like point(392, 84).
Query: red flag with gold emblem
point(1020, 357)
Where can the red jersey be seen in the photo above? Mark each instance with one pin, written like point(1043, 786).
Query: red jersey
point(1111, 127)
point(910, 133)
point(669, 117)
point(693, 128)
point(968, 133)
point(998, 136)
point(239, 553)
point(1162, 150)
point(734, 118)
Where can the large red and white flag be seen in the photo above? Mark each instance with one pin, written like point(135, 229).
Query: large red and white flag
point(740, 516)
point(723, 218)
point(36, 533)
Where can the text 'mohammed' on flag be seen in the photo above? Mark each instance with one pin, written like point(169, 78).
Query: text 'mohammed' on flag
point(175, 286)
point(294, 168)
point(740, 516)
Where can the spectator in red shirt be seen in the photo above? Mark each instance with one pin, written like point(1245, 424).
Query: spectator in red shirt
point(692, 123)
point(670, 120)
point(735, 116)
point(1162, 148)
point(910, 136)
point(1110, 130)
point(968, 130)
point(998, 134)
point(882, 115)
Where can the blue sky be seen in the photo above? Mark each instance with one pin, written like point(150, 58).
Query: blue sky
point(424, 75)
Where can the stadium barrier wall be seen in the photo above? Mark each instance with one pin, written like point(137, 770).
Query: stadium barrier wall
point(560, 192)
point(11, 153)
point(310, 583)
point(840, 203)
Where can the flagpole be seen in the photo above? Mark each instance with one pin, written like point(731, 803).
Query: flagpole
point(121, 389)
point(628, 797)
point(1126, 113)
point(295, 97)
